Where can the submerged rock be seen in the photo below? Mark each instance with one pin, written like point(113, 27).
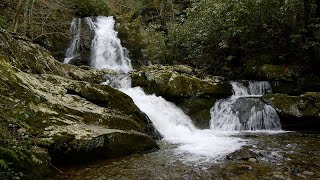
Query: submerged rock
point(244, 154)
point(179, 84)
point(297, 112)
point(243, 107)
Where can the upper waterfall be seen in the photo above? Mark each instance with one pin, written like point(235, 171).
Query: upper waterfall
point(245, 110)
point(106, 50)
point(73, 49)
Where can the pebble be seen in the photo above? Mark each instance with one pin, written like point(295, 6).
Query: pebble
point(49, 128)
point(22, 131)
point(279, 176)
point(301, 175)
point(252, 160)
point(309, 173)
point(245, 167)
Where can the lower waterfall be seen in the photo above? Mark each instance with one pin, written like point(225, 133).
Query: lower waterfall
point(245, 110)
point(177, 128)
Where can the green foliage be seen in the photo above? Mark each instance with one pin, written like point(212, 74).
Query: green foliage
point(220, 33)
point(230, 27)
point(86, 8)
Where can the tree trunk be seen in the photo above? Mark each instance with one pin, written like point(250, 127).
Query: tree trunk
point(16, 16)
point(306, 13)
point(318, 9)
point(25, 17)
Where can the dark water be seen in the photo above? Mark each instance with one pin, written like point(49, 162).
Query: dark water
point(277, 156)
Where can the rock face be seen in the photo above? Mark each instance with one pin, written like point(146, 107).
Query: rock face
point(293, 80)
point(180, 85)
point(63, 107)
point(244, 105)
point(297, 112)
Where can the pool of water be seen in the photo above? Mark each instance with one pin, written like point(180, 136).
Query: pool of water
point(289, 155)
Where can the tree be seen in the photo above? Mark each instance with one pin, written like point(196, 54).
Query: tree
point(16, 16)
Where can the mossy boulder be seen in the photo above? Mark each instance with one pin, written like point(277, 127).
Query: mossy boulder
point(50, 100)
point(180, 85)
point(76, 144)
point(297, 112)
point(276, 72)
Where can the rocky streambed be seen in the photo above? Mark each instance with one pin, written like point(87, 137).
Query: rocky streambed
point(287, 155)
point(53, 114)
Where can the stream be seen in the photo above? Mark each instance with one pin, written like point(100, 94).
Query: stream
point(245, 140)
point(288, 155)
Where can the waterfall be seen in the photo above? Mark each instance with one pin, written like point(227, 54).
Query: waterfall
point(107, 51)
point(245, 110)
point(75, 30)
point(175, 126)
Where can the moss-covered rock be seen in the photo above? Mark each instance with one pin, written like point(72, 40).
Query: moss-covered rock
point(179, 84)
point(32, 58)
point(297, 112)
point(48, 100)
point(75, 144)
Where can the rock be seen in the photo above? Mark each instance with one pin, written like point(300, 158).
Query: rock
point(252, 159)
point(177, 84)
point(244, 154)
point(54, 101)
point(32, 58)
point(243, 107)
point(297, 112)
point(279, 176)
point(308, 173)
point(22, 131)
point(82, 143)
point(277, 72)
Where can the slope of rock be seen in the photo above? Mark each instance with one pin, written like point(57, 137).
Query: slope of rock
point(51, 101)
point(297, 112)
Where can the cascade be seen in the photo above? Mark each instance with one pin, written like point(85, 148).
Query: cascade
point(245, 110)
point(75, 30)
point(106, 50)
point(175, 126)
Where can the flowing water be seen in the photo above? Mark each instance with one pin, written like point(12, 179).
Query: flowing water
point(107, 51)
point(176, 127)
point(245, 110)
point(75, 30)
point(185, 151)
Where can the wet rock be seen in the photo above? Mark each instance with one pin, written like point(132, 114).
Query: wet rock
point(297, 112)
point(244, 154)
point(243, 107)
point(180, 85)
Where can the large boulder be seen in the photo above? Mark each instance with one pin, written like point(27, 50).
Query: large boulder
point(297, 112)
point(179, 84)
point(51, 101)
